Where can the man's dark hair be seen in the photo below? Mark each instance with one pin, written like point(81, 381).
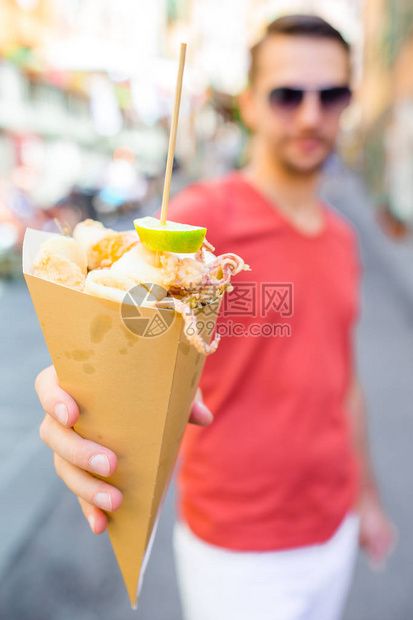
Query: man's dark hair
point(296, 25)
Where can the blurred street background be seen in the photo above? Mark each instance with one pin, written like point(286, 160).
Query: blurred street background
point(86, 93)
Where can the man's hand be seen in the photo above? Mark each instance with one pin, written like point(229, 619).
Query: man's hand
point(75, 458)
point(378, 536)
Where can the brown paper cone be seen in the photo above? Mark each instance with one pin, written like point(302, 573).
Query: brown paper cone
point(134, 395)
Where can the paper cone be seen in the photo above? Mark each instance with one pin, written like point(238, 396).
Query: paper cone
point(134, 395)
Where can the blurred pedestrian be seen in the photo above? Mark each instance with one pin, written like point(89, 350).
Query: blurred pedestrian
point(276, 493)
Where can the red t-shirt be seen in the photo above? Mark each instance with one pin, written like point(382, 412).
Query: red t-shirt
point(276, 468)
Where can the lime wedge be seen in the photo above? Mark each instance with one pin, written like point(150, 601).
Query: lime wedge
point(172, 237)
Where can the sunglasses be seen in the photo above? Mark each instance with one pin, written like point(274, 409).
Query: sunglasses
point(289, 99)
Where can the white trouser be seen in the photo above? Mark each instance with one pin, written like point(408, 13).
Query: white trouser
point(308, 583)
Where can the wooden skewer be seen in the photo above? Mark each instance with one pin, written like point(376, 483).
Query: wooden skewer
point(172, 142)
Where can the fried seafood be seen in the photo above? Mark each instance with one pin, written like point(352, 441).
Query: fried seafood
point(103, 246)
point(61, 260)
point(118, 262)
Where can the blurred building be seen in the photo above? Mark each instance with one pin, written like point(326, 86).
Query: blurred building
point(386, 100)
point(73, 90)
point(219, 32)
point(83, 81)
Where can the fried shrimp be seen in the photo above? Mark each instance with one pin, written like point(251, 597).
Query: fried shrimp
point(103, 246)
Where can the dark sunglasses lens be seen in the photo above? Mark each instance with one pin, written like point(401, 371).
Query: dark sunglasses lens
point(332, 97)
point(288, 98)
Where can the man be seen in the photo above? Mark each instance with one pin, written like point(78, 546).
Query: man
point(274, 494)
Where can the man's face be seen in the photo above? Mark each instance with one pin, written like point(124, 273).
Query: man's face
point(300, 138)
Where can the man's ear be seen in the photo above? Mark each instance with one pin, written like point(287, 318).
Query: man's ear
point(247, 107)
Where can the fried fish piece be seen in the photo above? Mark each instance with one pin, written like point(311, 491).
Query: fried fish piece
point(63, 261)
point(103, 246)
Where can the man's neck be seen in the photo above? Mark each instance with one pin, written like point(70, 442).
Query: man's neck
point(291, 190)
point(293, 194)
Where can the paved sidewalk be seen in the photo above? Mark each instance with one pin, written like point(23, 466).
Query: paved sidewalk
point(345, 190)
point(27, 480)
point(385, 346)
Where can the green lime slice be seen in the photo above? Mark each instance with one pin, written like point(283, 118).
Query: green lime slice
point(172, 237)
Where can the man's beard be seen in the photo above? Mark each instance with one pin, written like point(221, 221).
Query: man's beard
point(294, 167)
point(298, 170)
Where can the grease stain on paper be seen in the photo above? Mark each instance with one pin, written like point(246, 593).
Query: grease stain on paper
point(99, 327)
point(131, 338)
point(78, 355)
point(81, 356)
point(185, 348)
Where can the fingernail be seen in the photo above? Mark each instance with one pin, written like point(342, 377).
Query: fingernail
point(100, 464)
point(91, 520)
point(62, 414)
point(207, 414)
point(103, 500)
